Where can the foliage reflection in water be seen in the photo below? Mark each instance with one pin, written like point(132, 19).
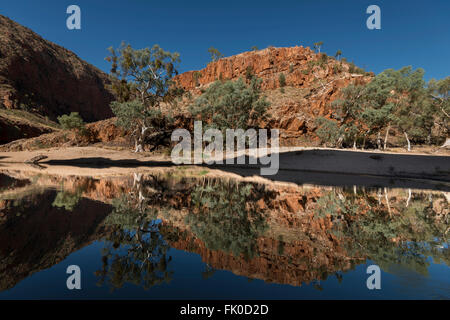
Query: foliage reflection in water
point(284, 234)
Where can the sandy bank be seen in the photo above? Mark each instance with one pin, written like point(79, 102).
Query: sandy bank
point(293, 161)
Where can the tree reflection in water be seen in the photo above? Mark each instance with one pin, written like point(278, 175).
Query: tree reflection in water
point(232, 218)
point(226, 216)
point(136, 252)
point(223, 215)
point(286, 234)
point(387, 231)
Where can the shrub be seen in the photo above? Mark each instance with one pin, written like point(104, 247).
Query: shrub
point(328, 131)
point(73, 121)
point(282, 80)
point(323, 60)
point(66, 200)
point(231, 104)
point(337, 68)
point(354, 69)
point(197, 75)
point(249, 73)
point(215, 54)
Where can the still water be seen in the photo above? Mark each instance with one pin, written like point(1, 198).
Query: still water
point(180, 235)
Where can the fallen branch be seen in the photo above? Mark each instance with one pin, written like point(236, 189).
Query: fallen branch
point(36, 159)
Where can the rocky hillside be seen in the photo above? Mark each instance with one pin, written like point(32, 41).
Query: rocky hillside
point(40, 76)
point(312, 82)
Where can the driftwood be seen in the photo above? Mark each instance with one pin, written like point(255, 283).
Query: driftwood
point(36, 159)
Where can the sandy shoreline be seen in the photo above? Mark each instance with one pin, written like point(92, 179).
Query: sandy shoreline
point(96, 161)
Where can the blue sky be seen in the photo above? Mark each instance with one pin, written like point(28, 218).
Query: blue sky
point(412, 32)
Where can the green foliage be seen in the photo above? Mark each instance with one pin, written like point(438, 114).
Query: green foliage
point(337, 68)
point(135, 250)
point(136, 257)
point(73, 121)
point(215, 54)
point(352, 68)
point(227, 217)
point(231, 104)
point(147, 72)
point(66, 200)
point(197, 75)
point(417, 228)
point(439, 91)
point(143, 80)
point(318, 45)
point(131, 113)
point(338, 54)
point(413, 111)
point(249, 73)
point(328, 131)
point(282, 80)
point(323, 60)
point(291, 68)
point(254, 48)
point(396, 98)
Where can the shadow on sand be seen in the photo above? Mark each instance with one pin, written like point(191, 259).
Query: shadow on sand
point(322, 167)
point(100, 163)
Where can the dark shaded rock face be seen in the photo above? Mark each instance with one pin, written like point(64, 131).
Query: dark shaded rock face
point(11, 130)
point(37, 235)
point(43, 77)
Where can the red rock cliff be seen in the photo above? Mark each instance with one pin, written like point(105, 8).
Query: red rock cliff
point(312, 83)
point(268, 64)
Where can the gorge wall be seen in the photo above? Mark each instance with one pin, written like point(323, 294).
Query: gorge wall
point(40, 76)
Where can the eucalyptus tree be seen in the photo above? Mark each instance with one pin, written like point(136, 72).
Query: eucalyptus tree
point(413, 113)
point(231, 104)
point(439, 91)
point(142, 80)
point(393, 98)
point(318, 45)
point(215, 54)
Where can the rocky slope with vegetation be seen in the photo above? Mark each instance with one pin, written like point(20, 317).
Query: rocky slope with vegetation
point(43, 78)
point(299, 84)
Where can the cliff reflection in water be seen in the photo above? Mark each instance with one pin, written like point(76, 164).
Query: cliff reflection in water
point(280, 233)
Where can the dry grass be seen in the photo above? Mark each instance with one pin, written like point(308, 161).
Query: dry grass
point(31, 119)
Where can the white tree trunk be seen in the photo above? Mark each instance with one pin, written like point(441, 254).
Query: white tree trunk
point(446, 143)
point(387, 201)
point(386, 137)
point(379, 140)
point(409, 197)
point(407, 140)
point(139, 142)
point(138, 146)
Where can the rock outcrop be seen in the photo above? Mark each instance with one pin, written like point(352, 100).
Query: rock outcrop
point(268, 64)
point(40, 76)
point(313, 81)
